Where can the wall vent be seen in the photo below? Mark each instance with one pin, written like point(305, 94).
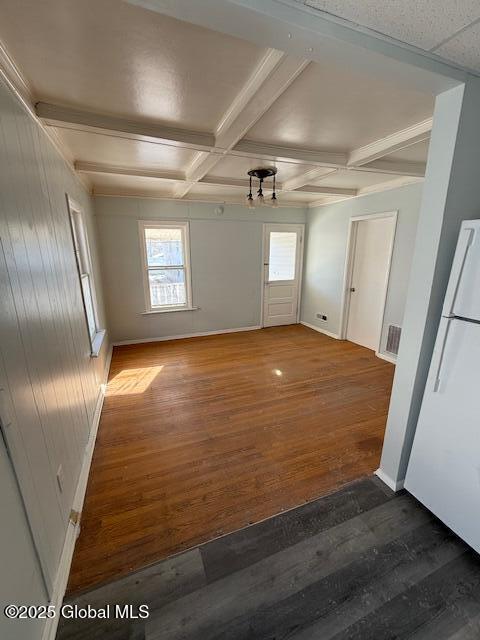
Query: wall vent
point(393, 339)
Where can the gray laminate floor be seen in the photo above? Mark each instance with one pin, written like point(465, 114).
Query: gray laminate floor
point(361, 563)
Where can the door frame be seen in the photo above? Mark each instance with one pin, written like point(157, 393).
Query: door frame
point(287, 225)
point(348, 271)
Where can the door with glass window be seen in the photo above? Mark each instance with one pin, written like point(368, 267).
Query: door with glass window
point(282, 269)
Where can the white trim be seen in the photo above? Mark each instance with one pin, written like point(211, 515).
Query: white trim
point(198, 334)
point(73, 530)
point(217, 181)
point(394, 167)
point(348, 270)
point(142, 172)
point(398, 183)
point(127, 193)
point(235, 117)
point(299, 264)
point(315, 328)
point(169, 310)
point(184, 226)
point(97, 342)
point(79, 119)
point(316, 189)
point(395, 183)
point(391, 143)
point(304, 178)
point(300, 155)
point(97, 339)
point(272, 76)
point(394, 485)
point(386, 357)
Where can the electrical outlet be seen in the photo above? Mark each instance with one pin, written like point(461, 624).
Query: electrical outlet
point(60, 478)
point(321, 317)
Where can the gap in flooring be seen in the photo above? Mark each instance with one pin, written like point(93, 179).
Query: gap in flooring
point(204, 436)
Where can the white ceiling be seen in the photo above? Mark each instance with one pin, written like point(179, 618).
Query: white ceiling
point(449, 28)
point(335, 109)
point(174, 110)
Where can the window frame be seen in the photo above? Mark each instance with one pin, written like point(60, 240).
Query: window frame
point(184, 228)
point(74, 209)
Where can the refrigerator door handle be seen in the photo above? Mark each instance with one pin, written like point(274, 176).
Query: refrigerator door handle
point(441, 357)
point(465, 241)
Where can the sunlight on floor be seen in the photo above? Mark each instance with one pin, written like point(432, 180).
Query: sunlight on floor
point(132, 381)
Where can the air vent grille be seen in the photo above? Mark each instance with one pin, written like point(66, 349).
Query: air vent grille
point(393, 339)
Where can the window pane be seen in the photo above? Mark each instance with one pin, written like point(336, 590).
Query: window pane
point(281, 261)
point(167, 287)
point(88, 301)
point(164, 247)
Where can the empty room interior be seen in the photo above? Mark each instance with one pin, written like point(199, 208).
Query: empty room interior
point(239, 320)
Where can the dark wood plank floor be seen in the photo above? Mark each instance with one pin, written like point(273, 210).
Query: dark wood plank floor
point(203, 436)
point(359, 564)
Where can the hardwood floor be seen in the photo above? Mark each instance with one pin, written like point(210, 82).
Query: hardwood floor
point(202, 436)
point(362, 563)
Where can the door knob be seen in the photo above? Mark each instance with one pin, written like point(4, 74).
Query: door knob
point(352, 289)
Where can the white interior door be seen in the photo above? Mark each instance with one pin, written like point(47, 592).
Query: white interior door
point(283, 249)
point(373, 243)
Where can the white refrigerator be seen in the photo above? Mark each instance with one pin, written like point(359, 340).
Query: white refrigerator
point(444, 467)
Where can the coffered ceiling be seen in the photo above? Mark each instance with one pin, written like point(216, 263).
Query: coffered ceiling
point(145, 104)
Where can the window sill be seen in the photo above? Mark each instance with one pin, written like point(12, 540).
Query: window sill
point(97, 343)
point(169, 310)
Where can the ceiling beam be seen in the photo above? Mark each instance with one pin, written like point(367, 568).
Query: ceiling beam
point(307, 176)
point(415, 169)
point(210, 152)
point(327, 191)
point(395, 183)
point(134, 193)
point(270, 79)
point(180, 178)
point(67, 117)
point(391, 143)
point(95, 167)
point(250, 148)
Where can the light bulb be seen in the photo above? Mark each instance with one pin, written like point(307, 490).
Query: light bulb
point(274, 201)
point(250, 202)
point(261, 199)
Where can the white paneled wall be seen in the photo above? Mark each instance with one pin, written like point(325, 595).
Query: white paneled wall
point(50, 383)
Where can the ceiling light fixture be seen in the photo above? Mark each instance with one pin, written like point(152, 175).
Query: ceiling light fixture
point(261, 173)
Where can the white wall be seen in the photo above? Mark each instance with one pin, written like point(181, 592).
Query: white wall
point(326, 247)
point(451, 194)
point(226, 258)
point(49, 383)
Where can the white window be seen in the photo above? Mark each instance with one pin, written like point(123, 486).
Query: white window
point(84, 266)
point(166, 265)
point(282, 259)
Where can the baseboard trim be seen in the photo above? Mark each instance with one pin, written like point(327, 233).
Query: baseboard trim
point(327, 333)
point(197, 334)
point(395, 485)
point(386, 357)
point(73, 529)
